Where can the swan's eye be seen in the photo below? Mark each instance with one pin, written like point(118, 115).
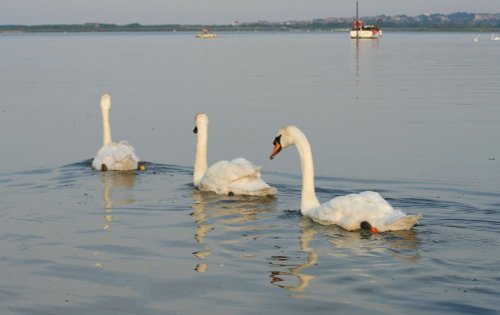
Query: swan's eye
point(195, 130)
point(277, 140)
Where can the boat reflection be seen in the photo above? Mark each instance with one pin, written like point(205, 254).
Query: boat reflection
point(240, 215)
point(114, 183)
point(366, 56)
point(345, 245)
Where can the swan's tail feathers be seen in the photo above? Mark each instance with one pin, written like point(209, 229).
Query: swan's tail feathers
point(251, 186)
point(127, 163)
point(263, 190)
point(405, 223)
point(269, 191)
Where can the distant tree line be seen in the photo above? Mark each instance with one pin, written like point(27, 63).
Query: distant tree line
point(460, 21)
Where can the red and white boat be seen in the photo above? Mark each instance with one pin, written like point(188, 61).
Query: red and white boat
point(360, 31)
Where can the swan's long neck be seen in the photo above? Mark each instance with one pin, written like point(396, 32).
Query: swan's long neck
point(309, 199)
point(200, 162)
point(106, 129)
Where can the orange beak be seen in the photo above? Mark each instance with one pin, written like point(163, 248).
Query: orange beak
point(276, 150)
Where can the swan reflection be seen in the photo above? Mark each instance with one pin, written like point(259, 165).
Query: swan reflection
point(218, 214)
point(344, 245)
point(278, 278)
point(114, 183)
point(402, 245)
point(110, 181)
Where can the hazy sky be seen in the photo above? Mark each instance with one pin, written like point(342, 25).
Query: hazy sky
point(219, 11)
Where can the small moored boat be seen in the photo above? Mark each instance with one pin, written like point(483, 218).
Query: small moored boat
point(206, 34)
point(360, 31)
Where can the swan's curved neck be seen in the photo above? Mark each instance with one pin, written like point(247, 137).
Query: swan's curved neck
point(309, 200)
point(106, 129)
point(200, 162)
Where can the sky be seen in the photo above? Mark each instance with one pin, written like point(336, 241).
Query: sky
point(219, 11)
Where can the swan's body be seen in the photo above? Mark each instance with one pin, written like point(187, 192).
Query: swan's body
point(113, 156)
point(351, 211)
point(239, 176)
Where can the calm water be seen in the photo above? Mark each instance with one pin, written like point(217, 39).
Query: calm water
point(413, 116)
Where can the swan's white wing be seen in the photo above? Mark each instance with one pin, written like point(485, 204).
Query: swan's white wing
point(229, 171)
point(116, 157)
point(238, 176)
point(350, 210)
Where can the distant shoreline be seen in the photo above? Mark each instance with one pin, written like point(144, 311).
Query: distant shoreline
point(10, 29)
point(455, 22)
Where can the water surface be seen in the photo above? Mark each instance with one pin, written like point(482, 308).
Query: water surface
point(412, 116)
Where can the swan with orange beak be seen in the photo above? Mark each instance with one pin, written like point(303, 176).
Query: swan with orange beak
point(366, 210)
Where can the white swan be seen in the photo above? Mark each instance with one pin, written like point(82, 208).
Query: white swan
point(113, 156)
point(367, 210)
point(239, 176)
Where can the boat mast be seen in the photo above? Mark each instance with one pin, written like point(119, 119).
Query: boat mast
point(357, 17)
point(357, 20)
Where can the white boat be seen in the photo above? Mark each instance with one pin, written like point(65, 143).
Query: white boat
point(495, 37)
point(360, 31)
point(206, 34)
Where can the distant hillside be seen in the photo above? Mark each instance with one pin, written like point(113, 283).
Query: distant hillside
point(460, 21)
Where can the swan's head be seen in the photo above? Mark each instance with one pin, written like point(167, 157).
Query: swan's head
point(105, 101)
point(284, 139)
point(200, 119)
point(367, 226)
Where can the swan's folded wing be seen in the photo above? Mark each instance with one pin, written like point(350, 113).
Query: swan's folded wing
point(350, 210)
point(238, 176)
point(125, 146)
point(246, 167)
point(230, 171)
